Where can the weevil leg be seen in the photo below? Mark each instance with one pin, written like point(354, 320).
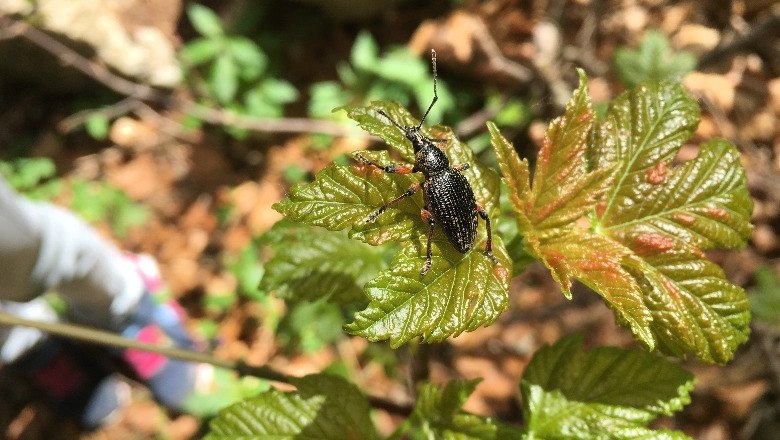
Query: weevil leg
point(395, 168)
point(428, 218)
point(408, 193)
point(462, 167)
point(489, 245)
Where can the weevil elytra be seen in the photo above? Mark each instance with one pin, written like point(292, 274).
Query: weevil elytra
point(449, 199)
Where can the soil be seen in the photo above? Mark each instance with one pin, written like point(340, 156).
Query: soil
point(187, 179)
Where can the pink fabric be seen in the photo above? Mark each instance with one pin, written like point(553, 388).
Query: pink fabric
point(146, 364)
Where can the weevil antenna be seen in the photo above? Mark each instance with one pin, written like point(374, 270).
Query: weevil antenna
point(382, 112)
point(435, 96)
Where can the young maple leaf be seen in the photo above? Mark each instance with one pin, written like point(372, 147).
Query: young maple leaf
point(462, 292)
point(649, 221)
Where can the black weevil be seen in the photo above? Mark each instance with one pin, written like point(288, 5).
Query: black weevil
point(449, 199)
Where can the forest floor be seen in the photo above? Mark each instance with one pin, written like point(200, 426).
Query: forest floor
point(208, 195)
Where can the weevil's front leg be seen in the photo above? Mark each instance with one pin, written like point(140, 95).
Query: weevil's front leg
point(395, 168)
point(427, 218)
point(408, 193)
point(489, 245)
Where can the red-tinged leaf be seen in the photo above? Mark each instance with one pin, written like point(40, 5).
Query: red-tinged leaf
point(516, 176)
point(643, 252)
point(694, 308)
point(598, 262)
point(702, 203)
point(644, 127)
point(563, 189)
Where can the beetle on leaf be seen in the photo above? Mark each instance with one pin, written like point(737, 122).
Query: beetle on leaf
point(449, 199)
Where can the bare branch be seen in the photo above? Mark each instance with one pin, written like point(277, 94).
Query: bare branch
point(102, 337)
point(143, 92)
point(112, 111)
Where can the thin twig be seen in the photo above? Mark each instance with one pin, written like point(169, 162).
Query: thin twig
point(497, 59)
point(94, 70)
point(143, 92)
point(477, 120)
point(110, 112)
point(274, 125)
point(10, 31)
point(101, 337)
point(761, 34)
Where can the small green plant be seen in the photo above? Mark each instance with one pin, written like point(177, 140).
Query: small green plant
point(93, 201)
point(512, 113)
point(34, 177)
point(765, 298)
point(398, 75)
point(236, 69)
point(342, 197)
point(249, 270)
point(605, 207)
point(601, 393)
point(653, 60)
point(99, 201)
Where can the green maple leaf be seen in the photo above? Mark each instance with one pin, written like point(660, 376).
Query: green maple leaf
point(649, 221)
point(606, 392)
point(461, 291)
point(324, 408)
point(653, 60)
point(438, 414)
point(310, 263)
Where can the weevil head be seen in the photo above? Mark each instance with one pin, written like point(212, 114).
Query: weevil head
point(416, 137)
point(428, 158)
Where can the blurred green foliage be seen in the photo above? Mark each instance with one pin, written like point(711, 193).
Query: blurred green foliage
point(236, 71)
point(765, 297)
point(310, 326)
point(99, 201)
point(653, 60)
point(92, 201)
point(248, 269)
point(34, 177)
point(397, 75)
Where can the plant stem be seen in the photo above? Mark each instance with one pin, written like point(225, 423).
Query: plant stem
point(102, 337)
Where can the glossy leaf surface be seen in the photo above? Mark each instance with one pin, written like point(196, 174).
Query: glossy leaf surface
point(310, 263)
point(648, 219)
point(702, 203)
point(343, 196)
point(324, 407)
point(461, 292)
point(438, 414)
point(606, 392)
